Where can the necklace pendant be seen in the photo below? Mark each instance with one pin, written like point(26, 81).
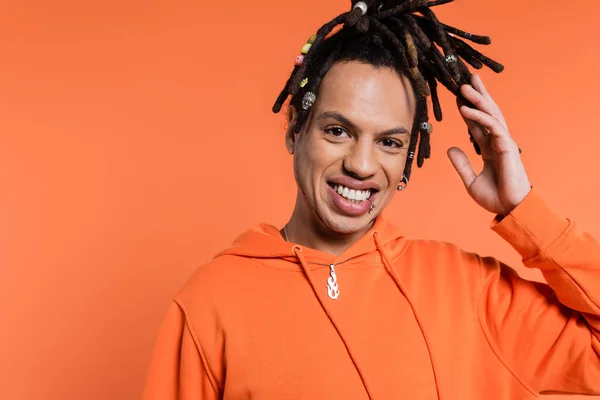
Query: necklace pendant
point(333, 290)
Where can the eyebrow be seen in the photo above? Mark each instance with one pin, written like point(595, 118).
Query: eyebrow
point(345, 121)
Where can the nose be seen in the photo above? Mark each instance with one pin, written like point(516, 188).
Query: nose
point(361, 161)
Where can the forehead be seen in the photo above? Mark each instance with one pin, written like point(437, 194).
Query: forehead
point(367, 94)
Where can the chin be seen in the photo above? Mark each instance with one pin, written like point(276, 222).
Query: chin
point(347, 225)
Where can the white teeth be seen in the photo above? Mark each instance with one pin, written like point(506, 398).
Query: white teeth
point(352, 194)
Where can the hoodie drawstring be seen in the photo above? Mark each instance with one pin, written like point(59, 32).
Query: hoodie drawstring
point(388, 267)
point(298, 253)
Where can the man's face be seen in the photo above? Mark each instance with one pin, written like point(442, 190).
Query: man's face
point(352, 150)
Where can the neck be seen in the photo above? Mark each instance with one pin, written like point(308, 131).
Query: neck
point(307, 230)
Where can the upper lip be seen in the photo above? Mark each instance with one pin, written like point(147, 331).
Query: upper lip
point(355, 184)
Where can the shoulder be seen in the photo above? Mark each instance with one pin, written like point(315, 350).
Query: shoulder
point(451, 263)
point(443, 267)
point(217, 283)
point(439, 253)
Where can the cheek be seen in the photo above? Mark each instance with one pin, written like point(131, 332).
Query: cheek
point(306, 160)
point(316, 154)
point(394, 168)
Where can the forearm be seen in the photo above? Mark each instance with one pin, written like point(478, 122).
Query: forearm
point(568, 257)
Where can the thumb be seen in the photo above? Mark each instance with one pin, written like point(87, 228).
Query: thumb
point(462, 165)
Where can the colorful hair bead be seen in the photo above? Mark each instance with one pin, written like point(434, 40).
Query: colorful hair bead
point(304, 82)
point(306, 48)
point(299, 60)
point(312, 39)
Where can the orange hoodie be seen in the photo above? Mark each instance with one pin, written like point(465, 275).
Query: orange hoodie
point(413, 320)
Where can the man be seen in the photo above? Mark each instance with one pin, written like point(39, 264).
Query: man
point(338, 303)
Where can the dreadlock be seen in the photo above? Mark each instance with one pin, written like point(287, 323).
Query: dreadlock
point(404, 35)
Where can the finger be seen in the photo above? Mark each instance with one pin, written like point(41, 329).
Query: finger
point(479, 86)
point(503, 142)
point(474, 127)
point(462, 165)
point(493, 125)
point(493, 108)
point(477, 83)
point(478, 131)
point(482, 102)
point(477, 99)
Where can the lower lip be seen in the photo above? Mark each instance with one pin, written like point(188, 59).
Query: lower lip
point(348, 207)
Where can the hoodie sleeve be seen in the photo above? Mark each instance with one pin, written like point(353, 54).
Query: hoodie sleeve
point(178, 369)
point(547, 335)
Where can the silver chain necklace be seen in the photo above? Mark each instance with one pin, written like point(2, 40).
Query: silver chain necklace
point(285, 236)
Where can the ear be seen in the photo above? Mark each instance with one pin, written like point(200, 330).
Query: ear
point(290, 134)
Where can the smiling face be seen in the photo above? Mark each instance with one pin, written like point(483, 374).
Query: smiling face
point(352, 151)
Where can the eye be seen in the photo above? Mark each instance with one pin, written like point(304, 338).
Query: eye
point(336, 131)
point(392, 143)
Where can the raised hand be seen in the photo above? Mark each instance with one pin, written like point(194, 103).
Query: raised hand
point(502, 183)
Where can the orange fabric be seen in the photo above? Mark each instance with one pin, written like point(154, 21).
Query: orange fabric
point(414, 319)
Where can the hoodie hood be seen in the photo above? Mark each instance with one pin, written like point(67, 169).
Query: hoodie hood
point(265, 242)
